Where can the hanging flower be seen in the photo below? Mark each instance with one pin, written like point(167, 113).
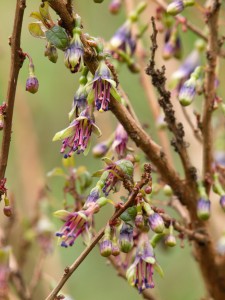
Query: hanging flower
point(76, 137)
point(102, 87)
point(73, 56)
point(140, 273)
point(120, 141)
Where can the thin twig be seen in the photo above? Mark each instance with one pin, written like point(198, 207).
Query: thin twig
point(159, 81)
point(189, 121)
point(213, 275)
point(210, 90)
point(70, 270)
point(16, 63)
point(147, 86)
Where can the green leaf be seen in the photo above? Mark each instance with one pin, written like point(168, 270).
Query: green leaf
point(56, 172)
point(158, 269)
point(96, 130)
point(43, 9)
point(69, 131)
point(126, 166)
point(90, 97)
point(58, 37)
point(125, 216)
point(36, 15)
point(132, 211)
point(115, 94)
point(36, 29)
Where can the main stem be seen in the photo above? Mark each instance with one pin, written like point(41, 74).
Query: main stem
point(16, 63)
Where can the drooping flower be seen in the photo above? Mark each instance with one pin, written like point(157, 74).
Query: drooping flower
point(123, 41)
point(172, 46)
point(140, 273)
point(177, 6)
point(75, 223)
point(203, 209)
point(155, 220)
point(188, 89)
point(126, 238)
point(114, 6)
point(185, 70)
point(102, 87)
point(73, 56)
point(76, 137)
point(51, 52)
point(120, 141)
point(110, 177)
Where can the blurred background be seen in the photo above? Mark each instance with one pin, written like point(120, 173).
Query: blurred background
point(37, 118)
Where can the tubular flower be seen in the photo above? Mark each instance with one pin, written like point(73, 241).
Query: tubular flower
point(73, 56)
point(77, 136)
point(120, 142)
point(102, 86)
point(172, 45)
point(75, 224)
point(140, 273)
point(185, 70)
point(123, 41)
point(110, 176)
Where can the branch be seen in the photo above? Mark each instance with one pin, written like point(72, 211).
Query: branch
point(16, 63)
point(159, 81)
point(210, 89)
point(70, 270)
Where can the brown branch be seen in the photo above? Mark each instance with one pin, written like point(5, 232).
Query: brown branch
point(70, 270)
point(213, 275)
point(16, 63)
point(189, 121)
point(159, 81)
point(189, 25)
point(210, 89)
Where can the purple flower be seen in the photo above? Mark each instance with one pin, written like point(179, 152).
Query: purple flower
point(172, 45)
point(32, 84)
point(111, 176)
point(75, 224)
point(140, 273)
point(156, 222)
point(73, 55)
point(126, 238)
point(185, 70)
point(120, 142)
point(203, 209)
point(102, 86)
point(123, 41)
point(175, 7)
point(76, 137)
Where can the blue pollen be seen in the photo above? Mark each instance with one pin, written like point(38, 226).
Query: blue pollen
point(63, 244)
point(59, 234)
point(65, 155)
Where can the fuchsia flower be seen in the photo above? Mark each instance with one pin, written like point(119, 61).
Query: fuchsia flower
point(120, 142)
point(75, 223)
point(140, 273)
point(102, 87)
point(76, 137)
point(110, 176)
